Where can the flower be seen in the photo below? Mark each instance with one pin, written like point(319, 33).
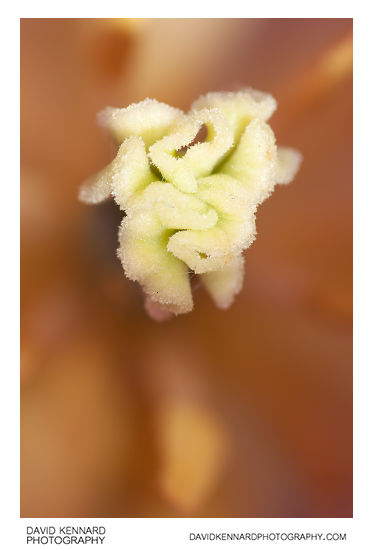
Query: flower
point(190, 205)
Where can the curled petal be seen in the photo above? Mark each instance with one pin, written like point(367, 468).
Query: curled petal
point(254, 161)
point(149, 119)
point(127, 174)
point(163, 155)
point(235, 208)
point(202, 251)
point(130, 171)
point(97, 188)
point(226, 283)
point(289, 161)
point(199, 159)
point(144, 256)
point(202, 158)
point(239, 108)
point(173, 209)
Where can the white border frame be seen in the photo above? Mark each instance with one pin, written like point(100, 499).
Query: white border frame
point(171, 533)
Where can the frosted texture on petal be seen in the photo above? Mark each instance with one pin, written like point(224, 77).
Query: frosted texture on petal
point(97, 188)
point(142, 251)
point(239, 108)
point(149, 119)
point(130, 171)
point(254, 161)
point(201, 158)
point(163, 156)
point(190, 206)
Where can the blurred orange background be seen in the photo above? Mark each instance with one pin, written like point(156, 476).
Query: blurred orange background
point(238, 413)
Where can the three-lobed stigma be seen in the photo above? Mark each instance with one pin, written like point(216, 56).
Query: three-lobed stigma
point(190, 205)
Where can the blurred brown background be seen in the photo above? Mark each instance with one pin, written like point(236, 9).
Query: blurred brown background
point(246, 412)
